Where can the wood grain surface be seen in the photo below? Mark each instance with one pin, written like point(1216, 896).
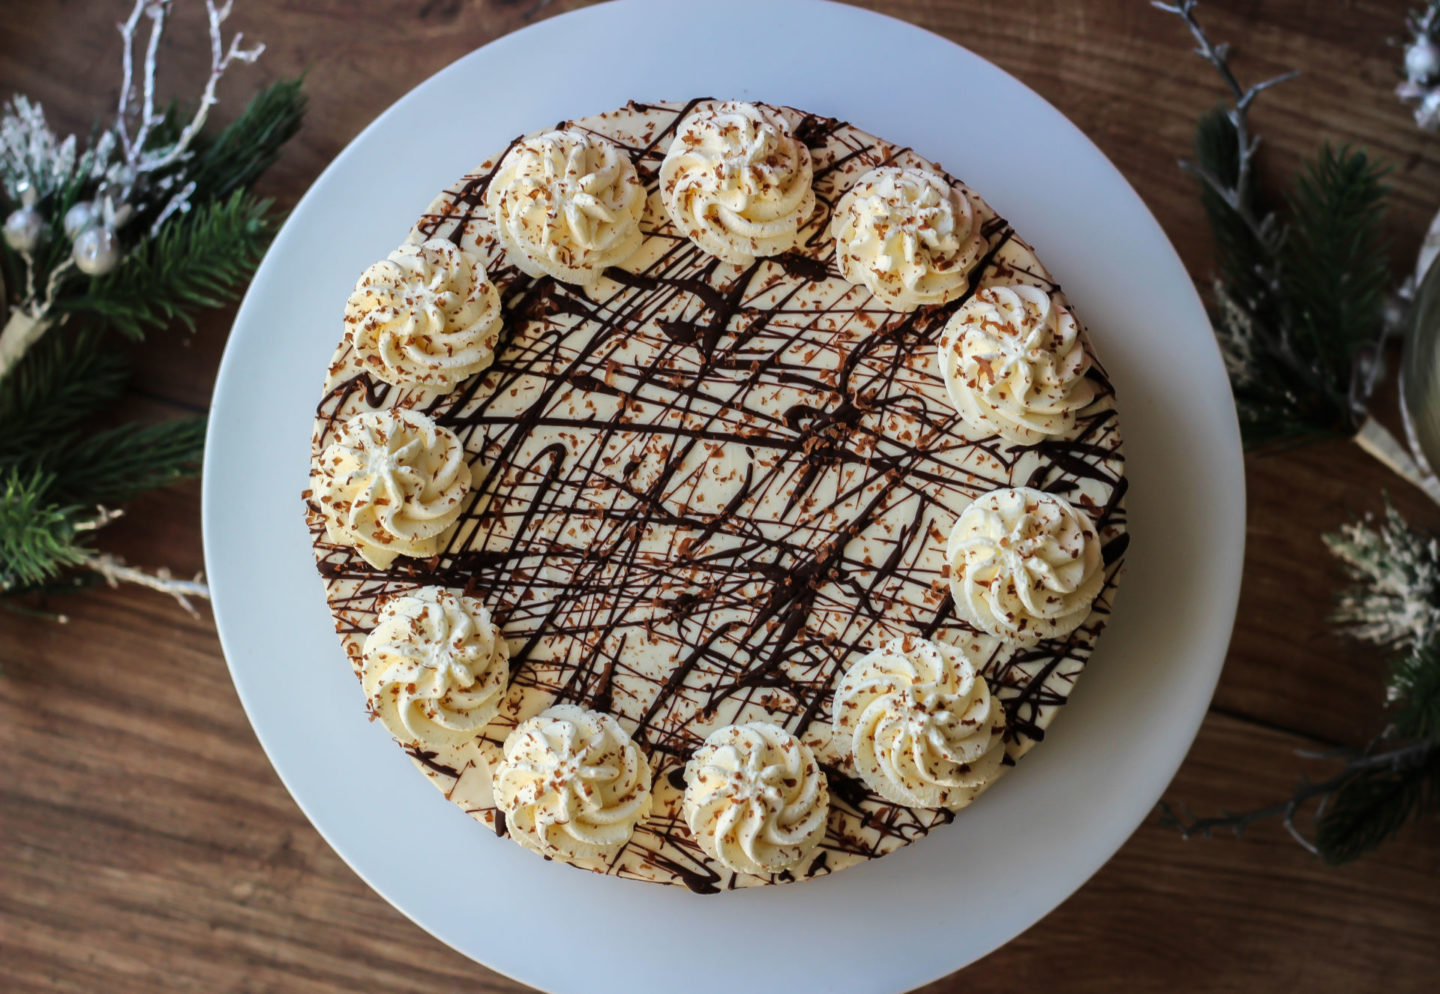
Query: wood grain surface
point(146, 844)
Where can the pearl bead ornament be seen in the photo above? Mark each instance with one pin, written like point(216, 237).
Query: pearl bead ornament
point(1422, 61)
point(97, 250)
point(23, 229)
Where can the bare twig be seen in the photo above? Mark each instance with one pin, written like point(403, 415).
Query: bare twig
point(1237, 196)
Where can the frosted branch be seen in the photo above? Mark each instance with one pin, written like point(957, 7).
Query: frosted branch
point(221, 59)
point(115, 571)
point(127, 71)
point(138, 161)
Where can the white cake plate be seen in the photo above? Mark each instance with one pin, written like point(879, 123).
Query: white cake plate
point(888, 925)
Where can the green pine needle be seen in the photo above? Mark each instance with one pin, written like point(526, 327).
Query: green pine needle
point(37, 536)
point(60, 381)
point(1297, 304)
point(199, 259)
point(1335, 270)
point(1374, 805)
point(235, 158)
point(118, 464)
point(1415, 695)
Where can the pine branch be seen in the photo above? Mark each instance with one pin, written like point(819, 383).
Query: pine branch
point(1360, 807)
point(118, 464)
point(59, 382)
point(1336, 270)
point(236, 157)
point(38, 538)
point(198, 259)
point(1372, 807)
point(1414, 694)
point(1300, 298)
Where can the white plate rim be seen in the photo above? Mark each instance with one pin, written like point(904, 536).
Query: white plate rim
point(251, 520)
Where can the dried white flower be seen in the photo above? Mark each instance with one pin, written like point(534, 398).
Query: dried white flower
point(1395, 598)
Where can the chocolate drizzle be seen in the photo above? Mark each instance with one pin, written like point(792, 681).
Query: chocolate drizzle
point(598, 441)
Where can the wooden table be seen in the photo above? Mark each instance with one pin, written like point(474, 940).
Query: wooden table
point(147, 846)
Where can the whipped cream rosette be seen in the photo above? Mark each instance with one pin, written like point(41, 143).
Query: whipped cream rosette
point(424, 316)
point(391, 483)
point(567, 204)
point(434, 667)
point(921, 724)
point(908, 236)
point(1014, 364)
point(755, 798)
point(572, 784)
point(1024, 565)
point(737, 182)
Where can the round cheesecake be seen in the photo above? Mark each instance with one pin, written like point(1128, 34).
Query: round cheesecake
point(701, 490)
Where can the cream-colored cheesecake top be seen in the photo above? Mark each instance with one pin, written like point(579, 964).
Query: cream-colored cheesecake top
point(712, 487)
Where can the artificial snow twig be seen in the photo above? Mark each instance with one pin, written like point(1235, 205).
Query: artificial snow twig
point(115, 571)
point(139, 162)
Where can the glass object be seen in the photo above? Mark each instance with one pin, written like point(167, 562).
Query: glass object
point(1420, 371)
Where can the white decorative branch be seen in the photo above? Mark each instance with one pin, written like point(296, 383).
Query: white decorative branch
point(221, 58)
point(116, 571)
point(21, 331)
point(127, 72)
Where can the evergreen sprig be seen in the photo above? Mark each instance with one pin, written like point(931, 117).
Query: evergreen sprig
point(200, 259)
point(64, 468)
point(1299, 297)
point(1415, 693)
point(234, 159)
point(1335, 271)
point(118, 464)
point(1391, 602)
point(1299, 312)
point(1373, 805)
point(38, 539)
point(58, 384)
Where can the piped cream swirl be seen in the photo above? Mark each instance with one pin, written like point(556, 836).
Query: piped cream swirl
point(908, 236)
point(1024, 565)
point(572, 785)
point(434, 667)
point(391, 483)
point(425, 316)
point(567, 204)
point(1014, 364)
point(921, 724)
point(736, 182)
point(755, 798)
